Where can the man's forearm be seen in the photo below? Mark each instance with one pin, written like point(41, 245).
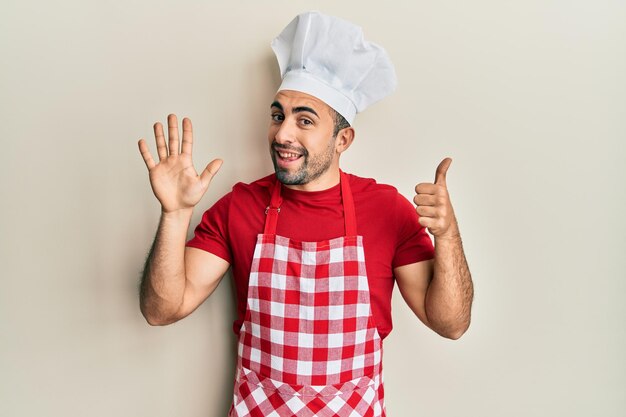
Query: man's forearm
point(449, 298)
point(163, 279)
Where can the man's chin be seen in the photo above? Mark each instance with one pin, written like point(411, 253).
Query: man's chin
point(289, 178)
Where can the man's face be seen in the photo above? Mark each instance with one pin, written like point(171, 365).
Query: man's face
point(301, 139)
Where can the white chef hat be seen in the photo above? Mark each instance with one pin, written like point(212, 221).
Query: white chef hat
point(327, 57)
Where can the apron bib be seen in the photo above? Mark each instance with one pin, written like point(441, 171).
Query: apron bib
point(308, 345)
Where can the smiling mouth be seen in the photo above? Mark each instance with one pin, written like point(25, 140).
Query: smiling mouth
point(288, 156)
point(287, 153)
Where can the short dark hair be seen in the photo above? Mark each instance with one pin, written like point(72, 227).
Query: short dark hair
point(340, 122)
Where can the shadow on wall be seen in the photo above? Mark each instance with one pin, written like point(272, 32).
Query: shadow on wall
point(231, 354)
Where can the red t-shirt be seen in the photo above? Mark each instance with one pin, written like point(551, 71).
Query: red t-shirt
point(387, 221)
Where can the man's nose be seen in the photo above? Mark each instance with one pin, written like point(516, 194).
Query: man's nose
point(285, 133)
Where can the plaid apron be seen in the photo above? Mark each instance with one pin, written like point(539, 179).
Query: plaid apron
point(308, 345)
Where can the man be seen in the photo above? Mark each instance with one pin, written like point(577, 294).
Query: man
point(314, 250)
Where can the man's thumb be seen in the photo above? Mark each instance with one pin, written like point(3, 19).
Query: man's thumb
point(210, 171)
point(442, 169)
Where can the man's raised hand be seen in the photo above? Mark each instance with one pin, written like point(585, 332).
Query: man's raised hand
point(434, 207)
point(174, 180)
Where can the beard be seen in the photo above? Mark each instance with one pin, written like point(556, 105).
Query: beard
point(311, 167)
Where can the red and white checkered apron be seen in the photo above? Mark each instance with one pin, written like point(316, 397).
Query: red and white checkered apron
point(308, 345)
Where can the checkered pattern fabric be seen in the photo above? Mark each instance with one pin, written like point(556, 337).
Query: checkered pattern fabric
point(260, 396)
point(308, 345)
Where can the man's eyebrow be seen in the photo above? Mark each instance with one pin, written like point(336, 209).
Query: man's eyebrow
point(304, 108)
point(298, 109)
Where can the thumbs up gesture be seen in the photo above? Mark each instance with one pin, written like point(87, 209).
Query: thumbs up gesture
point(434, 207)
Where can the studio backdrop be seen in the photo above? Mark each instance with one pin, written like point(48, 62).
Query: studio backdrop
point(527, 97)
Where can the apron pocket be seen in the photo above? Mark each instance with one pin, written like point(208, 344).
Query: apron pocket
point(270, 385)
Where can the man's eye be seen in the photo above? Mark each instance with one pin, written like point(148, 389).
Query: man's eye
point(306, 122)
point(277, 117)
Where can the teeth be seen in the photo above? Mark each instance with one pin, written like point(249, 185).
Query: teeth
point(288, 155)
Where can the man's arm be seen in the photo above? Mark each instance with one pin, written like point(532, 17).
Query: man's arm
point(176, 279)
point(440, 292)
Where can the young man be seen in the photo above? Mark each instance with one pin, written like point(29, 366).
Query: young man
point(314, 251)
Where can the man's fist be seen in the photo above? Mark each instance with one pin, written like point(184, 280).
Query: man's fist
point(433, 205)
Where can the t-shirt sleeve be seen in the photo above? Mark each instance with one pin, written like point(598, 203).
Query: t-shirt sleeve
point(414, 243)
point(211, 234)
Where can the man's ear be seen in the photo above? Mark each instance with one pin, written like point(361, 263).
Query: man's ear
point(345, 137)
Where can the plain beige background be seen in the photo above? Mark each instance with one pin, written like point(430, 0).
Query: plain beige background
point(528, 97)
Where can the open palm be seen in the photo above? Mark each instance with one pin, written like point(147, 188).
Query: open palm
point(174, 180)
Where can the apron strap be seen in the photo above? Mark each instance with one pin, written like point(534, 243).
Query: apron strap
point(273, 209)
point(349, 213)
